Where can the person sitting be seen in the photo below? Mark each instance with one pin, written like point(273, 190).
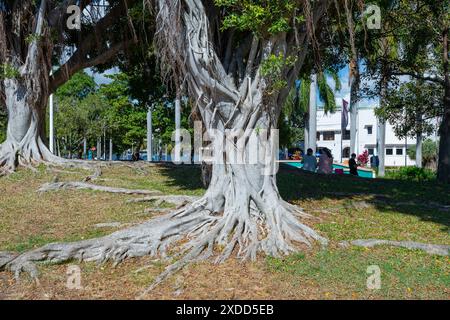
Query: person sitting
point(353, 165)
point(325, 162)
point(309, 161)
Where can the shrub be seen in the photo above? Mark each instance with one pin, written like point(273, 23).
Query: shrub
point(412, 174)
point(364, 158)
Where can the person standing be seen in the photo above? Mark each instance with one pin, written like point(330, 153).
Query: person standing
point(309, 161)
point(353, 165)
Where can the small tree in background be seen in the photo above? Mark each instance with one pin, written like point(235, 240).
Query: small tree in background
point(430, 152)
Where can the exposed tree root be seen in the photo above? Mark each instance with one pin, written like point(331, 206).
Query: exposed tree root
point(28, 152)
point(177, 200)
point(87, 186)
point(149, 211)
point(274, 231)
point(433, 249)
point(97, 174)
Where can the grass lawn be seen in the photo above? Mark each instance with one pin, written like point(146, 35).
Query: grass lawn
point(345, 208)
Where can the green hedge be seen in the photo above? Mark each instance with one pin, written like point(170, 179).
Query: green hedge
point(412, 174)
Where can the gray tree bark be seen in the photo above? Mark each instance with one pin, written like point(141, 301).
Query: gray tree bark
point(26, 98)
point(24, 144)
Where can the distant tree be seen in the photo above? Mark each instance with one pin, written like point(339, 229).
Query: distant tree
point(417, 32)
point(413, 109)
point(79, 86)
point(81, 120)
point(429, 153)
point(127, 113)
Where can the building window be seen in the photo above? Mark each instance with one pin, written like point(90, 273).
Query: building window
point(371, 151)
point(328, 136)
point(369, 130)
point(318, 136)
point(399, 152)
point(347, 135)
point(389, 152)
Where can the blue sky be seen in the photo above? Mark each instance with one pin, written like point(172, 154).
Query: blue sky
point(100, 78)
point(345, 90)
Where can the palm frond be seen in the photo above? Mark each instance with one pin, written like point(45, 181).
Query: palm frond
point(304, 91)
point(326, 94)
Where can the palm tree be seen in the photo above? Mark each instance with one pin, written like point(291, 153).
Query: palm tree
point(306, 101)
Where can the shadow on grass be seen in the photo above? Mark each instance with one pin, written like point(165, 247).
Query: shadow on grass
point(183, 176)
point(407, 197)
point(421, 199)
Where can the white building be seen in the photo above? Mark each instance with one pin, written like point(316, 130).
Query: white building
point(329, 136)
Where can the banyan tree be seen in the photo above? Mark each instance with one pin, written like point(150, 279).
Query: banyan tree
point(238, 61)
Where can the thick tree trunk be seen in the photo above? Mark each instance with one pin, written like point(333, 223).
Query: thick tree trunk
point(24, 143)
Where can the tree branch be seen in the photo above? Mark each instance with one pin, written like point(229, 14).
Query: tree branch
point(418, 76)
point(80, 59)
point(78, 62)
